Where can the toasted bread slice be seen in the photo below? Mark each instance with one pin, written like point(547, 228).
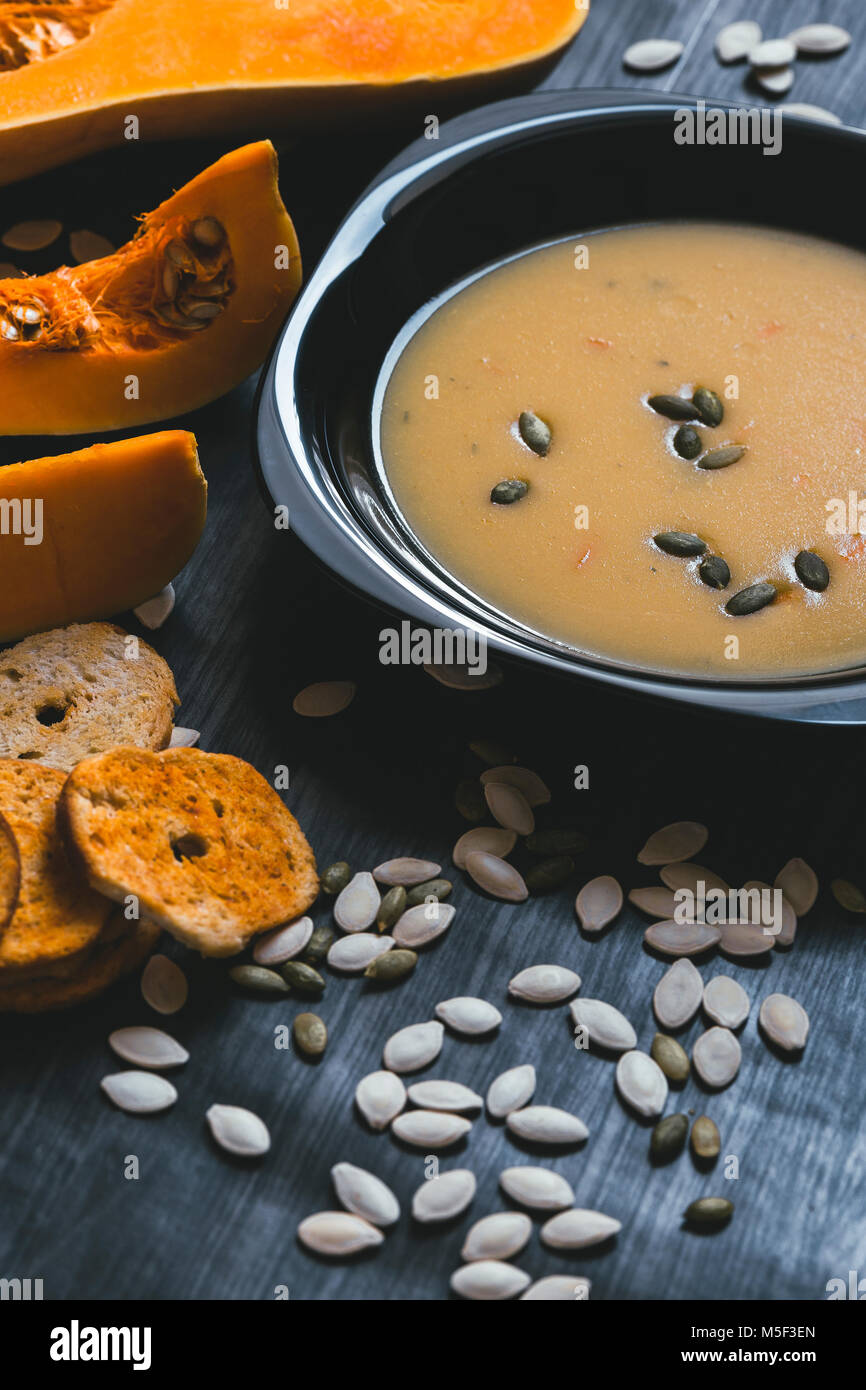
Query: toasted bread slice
point(79, 690)
point(109, 961)
point(201, 840)
point(10, 873)
point(57, 917)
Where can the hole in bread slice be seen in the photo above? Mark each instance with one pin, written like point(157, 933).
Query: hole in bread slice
point(189, 846)
point(52, 713)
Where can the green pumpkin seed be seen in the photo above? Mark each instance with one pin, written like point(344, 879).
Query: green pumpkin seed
point(706, 1141)
point(751, 599)
point(534, 432)
point(669, 1137)
point(687, 442)
point(469, 800)
point(510, 490)
point(811, 571)
point(336, 876)
point(302, 978)
point(673, 407)
point(310, 1034)
point(680, 543)
point(258, 979)
point(708, 406)
point(557, 839)
point(437, 888)
point(848, 895)
point(318, 946)
point(549, 874)
point(714, 571)
point(672, 1059)
point(393, 965)
point(392, 906)
point(709, 1211)
point(722, 458)
point(492, 753)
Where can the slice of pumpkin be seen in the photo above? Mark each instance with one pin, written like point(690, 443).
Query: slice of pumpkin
point(72, 73)
point(89, 534)
point(171, 320)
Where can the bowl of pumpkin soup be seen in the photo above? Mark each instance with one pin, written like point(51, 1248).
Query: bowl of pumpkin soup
point(598, 395)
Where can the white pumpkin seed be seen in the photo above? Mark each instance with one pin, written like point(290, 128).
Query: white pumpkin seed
point(455, 676)
point(497, 1237)
point(677, 996)
point(736, 41)
point(776, 81)
point(364, 1194)
point(487, 839)
point(405, 873)
point(545, 1124)
point(356, 906)
point(421, 924)
point(430, 1129)
point(444, 1095)
point(681, 938)
point(32, 236)
point(541, 1189)
point(688, 876)
point(139, 1092)
point(677, 841)
point(468, 1015)
point(820, 38)
point(380, 1096)
point(354, 953)
point(154, 611)
point(509, 807)
point(744, 939)
point(536, 792)
point(641, 1083)
point(578, 1228)
point(598, 903)
point(726, 1002)
point(510, 1090)
point(496, 877)
point(338, 1233)
point(89, 246)
point(284, 943)
point(445, 1196)
point(323, 699)
point(799, 884)
point(784, 1021)
point(163, 985)
point(489, 1280)
point(773, 53)
point(147, 1047)
point(558, 1288)
point(656, 902)
point(238, 1131)
point(544, 984)
point(716, 1056)
point(809, 112)
point(183, 738)
point(604, 1024)
point(652, 55)
point(410, 1049)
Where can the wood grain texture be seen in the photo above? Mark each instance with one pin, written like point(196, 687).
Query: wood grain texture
point(255, 621)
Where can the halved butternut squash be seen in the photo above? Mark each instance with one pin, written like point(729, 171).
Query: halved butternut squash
point(89, 534)
point(72, 73)
point(171, 320)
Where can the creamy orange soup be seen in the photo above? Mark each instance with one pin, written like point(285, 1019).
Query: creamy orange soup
point(581, 335)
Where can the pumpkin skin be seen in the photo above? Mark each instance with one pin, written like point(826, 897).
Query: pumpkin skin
point(111, 352)
point(187, 69)
point(119, 521)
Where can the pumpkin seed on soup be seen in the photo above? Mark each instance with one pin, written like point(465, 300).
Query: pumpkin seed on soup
point(534, 432)
point(680, 543)
point(751, 599)
point(714, 571)
point(510, 490)
point(709, 406)
point(687, 442)
point(722, 458)
point(812, 571)
point(673, 407)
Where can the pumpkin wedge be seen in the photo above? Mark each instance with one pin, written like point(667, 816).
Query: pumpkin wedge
point(90, 534)
point(171, 320)
point(75, 72)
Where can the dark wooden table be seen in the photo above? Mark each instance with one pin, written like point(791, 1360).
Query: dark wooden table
point(255, 621)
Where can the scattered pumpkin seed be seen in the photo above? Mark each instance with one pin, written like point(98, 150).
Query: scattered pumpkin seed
point(673, 1059)
point(811, 570)
point(489, 1281)
point(89, 246)
point(32, 236)
point(598, 903)
point(414, 1047)
point(556, 840)
point(509, 490)
point(687, 442)
point(405, 872)
point(437, 888)
point(652, 55)
point(394, 965)
point(380, 1096)
point(318, 946)
point(672, 407)
point(677, 996)
point(810, 112)
point(744, 939)
point(820, 38)
point(258, 980)
point(510, 1090)
point(578, 1229)
point(535, 432)
point(799, 884)
point(541, 1189)
point(848, 895)
point(496, 877)
point(391, 908)
point(605, 1026)
point(736, 41)
point(715, 572)
point(338, 1233)
point(154, 611)
point(238, 1131)
point(336, 877)
point(656, 902)
point(354, 953)
point(486, 839)
point(717, 1056)
point(356, 906)
point(457, 675)
point(363, 1194)
point(469, 800)
point(468, 1015)
point(544, 984)
point(558, 1288)
point(680, 543)
point(302, 978)
point(149, 1048)
point(785, 1022)
point(709, 1211)
point(549, 874)
point(310, 1034)
point(491, 753)
point(497, 1237)
point(709, 406)
point(444, 1197)
point(681, 938)
point(687, 874)
point(139, 1092)
point(722, 458)
point(184, 738)
point(422, 924)
point(323, 699)
point(536, 792)
point(773, 53)
point(163, 985)
point(509, 807)
point(668, 1138)
point(726, 1002)
point(444, 1095)
point(282, 944)
point(706, 1140)
point(546, 1124)
point(430, 1129)
point(641, 1083)
point(751, 599)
